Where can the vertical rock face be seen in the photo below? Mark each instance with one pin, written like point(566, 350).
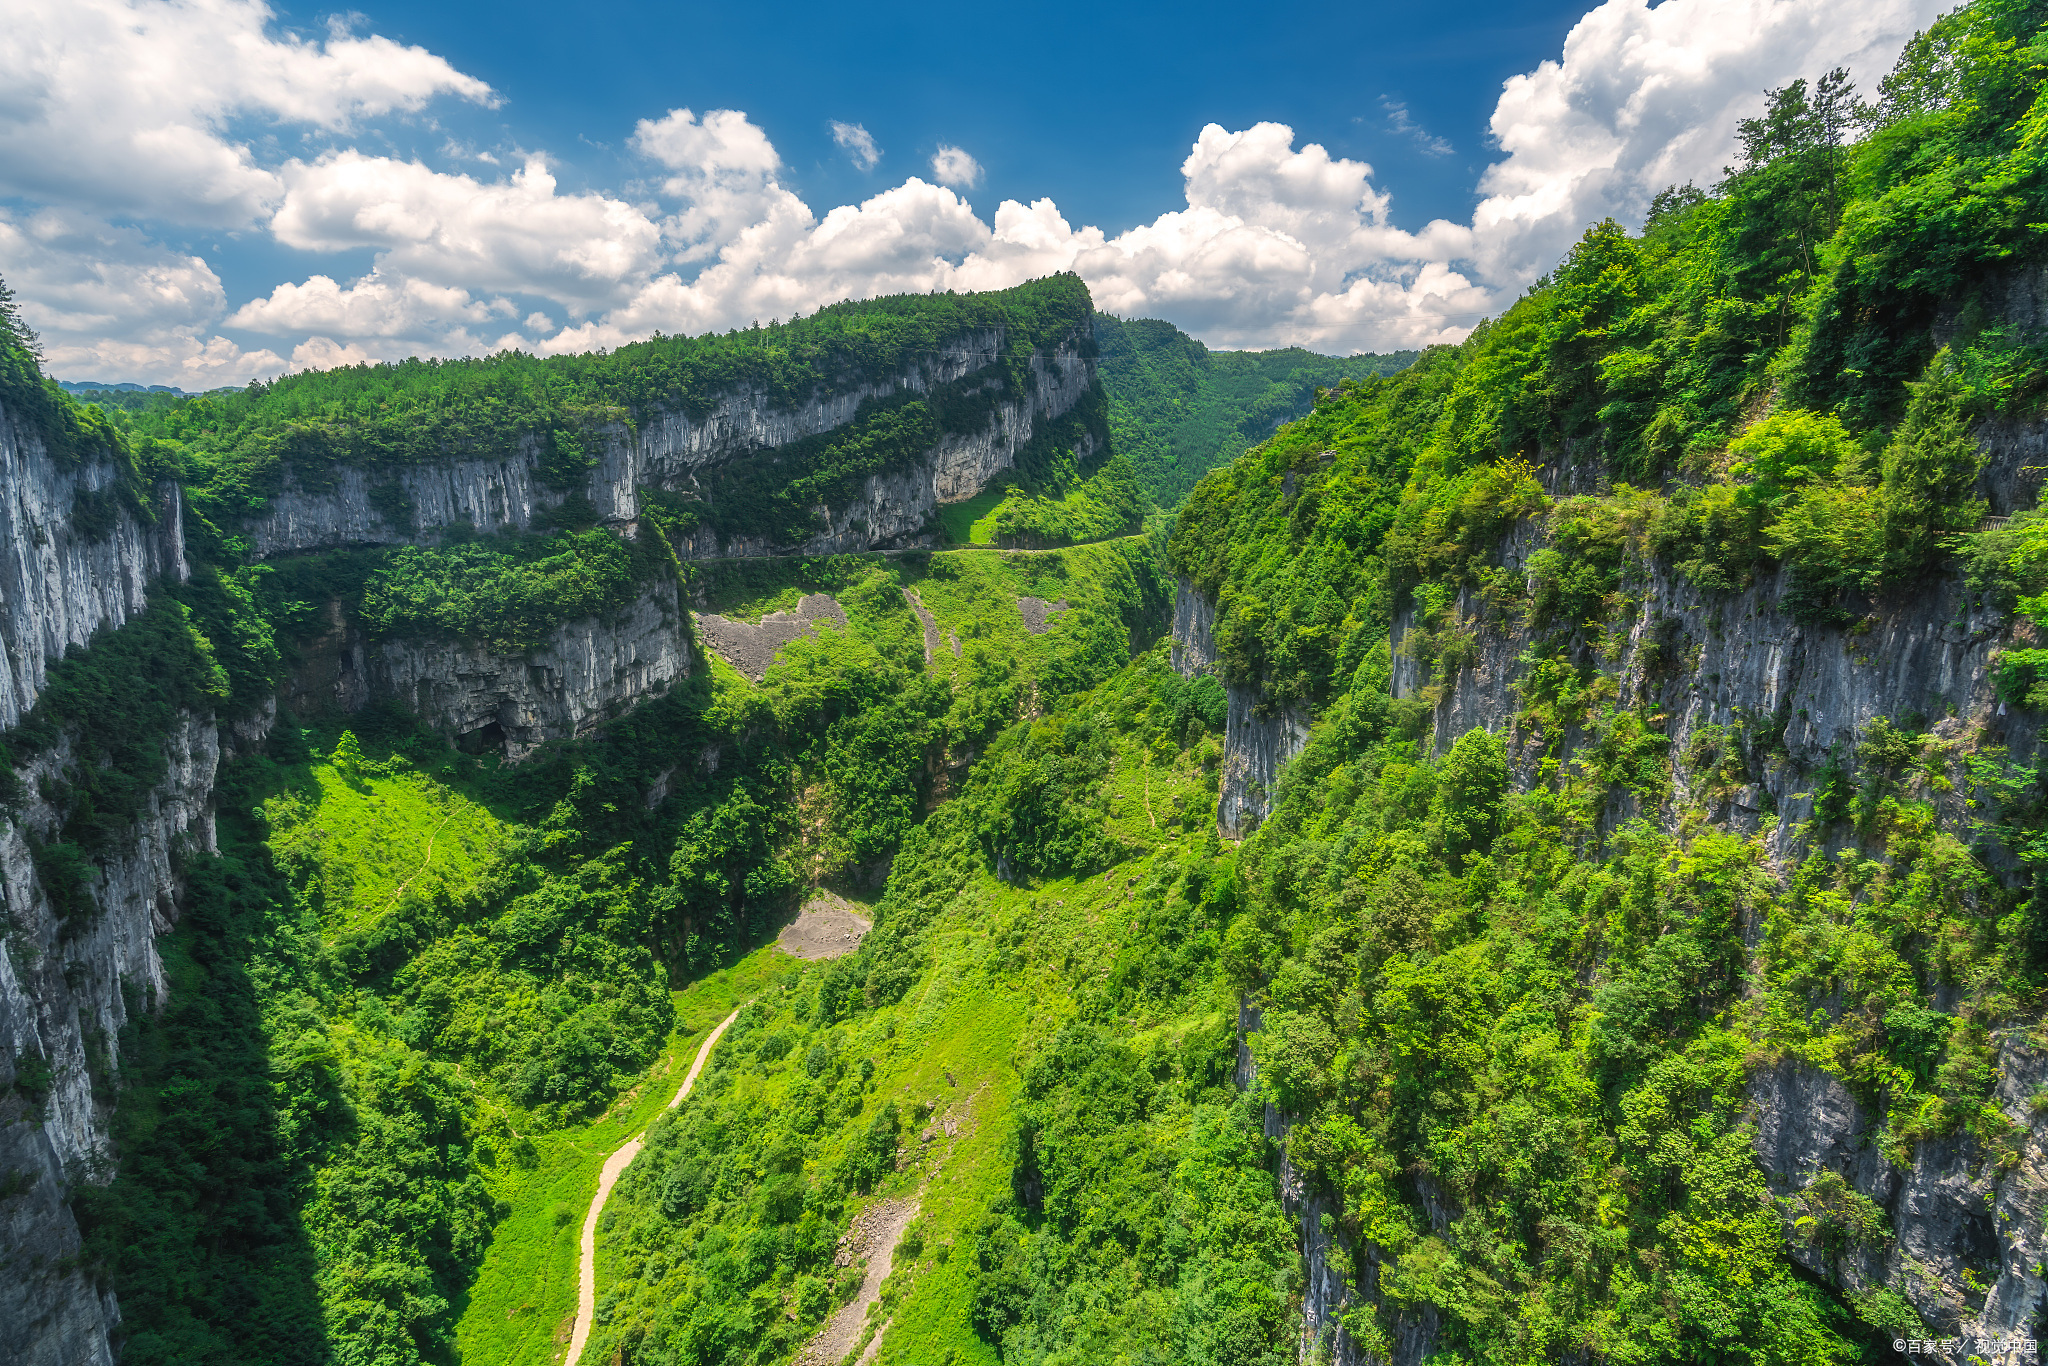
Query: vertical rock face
point(585, 673)
point(1327, 1253)
point(1967, 1242)
point(73, 557)
point(329, 507)
point(1257, 738)
point(343, 506)
point(1701, 660)
point(1969, 1239)
point(1698, 661)
point(64, 991)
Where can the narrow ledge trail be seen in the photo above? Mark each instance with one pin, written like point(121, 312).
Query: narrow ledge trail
point(586, 1289)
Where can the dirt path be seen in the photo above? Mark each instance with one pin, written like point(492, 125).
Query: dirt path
point(586, 1291)
point(425, 863)
point(873, 1238)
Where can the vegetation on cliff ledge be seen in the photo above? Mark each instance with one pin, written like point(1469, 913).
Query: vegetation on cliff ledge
point(1504, 997)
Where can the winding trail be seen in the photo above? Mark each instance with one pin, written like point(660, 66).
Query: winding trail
point(586, 1290)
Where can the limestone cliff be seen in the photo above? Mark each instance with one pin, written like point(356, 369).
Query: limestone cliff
point(74, 556)
point(65, 989)
point(1257, 737)
point(674, 451)
point(584, 673)
point(1967, 1246)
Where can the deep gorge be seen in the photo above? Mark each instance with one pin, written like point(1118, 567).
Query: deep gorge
point(1530, 851)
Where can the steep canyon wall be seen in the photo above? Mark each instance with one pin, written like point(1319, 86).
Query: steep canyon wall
point(1968, 1245)
point(673, 451)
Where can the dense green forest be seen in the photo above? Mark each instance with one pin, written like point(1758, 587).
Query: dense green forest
point(1178, 409)
point(418, 995)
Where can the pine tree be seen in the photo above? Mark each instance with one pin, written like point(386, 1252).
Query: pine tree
point(13, 330)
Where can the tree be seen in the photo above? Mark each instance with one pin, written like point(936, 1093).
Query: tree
point(348, 756)
point(14, 331)
point(1929, 469)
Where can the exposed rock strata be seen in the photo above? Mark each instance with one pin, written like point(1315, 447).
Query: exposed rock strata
point(328, 507)
point(1957, 1218)
point(64, 996)
point(1258, 739)
point(1739, 661)
point(1731, 660)
point(585, 673)
point(59, 582)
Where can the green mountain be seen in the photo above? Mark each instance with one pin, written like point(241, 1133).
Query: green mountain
point(1541, 861)
point(1178, 410)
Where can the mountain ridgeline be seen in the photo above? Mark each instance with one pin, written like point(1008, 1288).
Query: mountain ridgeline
point(1536, 859)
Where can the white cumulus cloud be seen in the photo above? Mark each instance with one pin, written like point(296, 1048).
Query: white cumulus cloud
point(1284, 244)
point(952, 166)
point(723, 170)
point(111, 304)
point(584, 251)
point(128, 106)
point(858, 143)
point(1647, 97)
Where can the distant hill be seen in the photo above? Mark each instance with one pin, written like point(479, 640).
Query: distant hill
point(1178, 409)
point(80, 386)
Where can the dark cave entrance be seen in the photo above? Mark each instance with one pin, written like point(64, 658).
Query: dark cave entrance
point(488, 736)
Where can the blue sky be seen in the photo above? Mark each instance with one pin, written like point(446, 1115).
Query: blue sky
point(205, 191)
point(1094, 106)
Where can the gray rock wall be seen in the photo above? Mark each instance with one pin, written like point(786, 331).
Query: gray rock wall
point(1701, 660)
point(586, 672)
point(64, 992)
point(1956, 1216)
point(330, 507)
point(1959, 1220)
point(1257, 738)
point(59, 584)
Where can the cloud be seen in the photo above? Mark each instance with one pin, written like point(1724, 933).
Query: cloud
point(1399, 121)
point(584, 251)
point(1643, 98)
point(126, 106)
point(724, 171)
point(1277, 242)
point(859, 144)
point(952, 166)
point(375, 306)
point(112, 304)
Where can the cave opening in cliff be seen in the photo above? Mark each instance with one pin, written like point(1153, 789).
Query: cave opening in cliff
point(487, 737)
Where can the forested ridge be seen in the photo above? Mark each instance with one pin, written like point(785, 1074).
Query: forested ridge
point(1496, 1005)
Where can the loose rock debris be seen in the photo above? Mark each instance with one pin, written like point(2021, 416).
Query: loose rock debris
point(929, 622)
point(872, 1240)
point(751, 649)
point(827, 927)
point(1038, 613)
